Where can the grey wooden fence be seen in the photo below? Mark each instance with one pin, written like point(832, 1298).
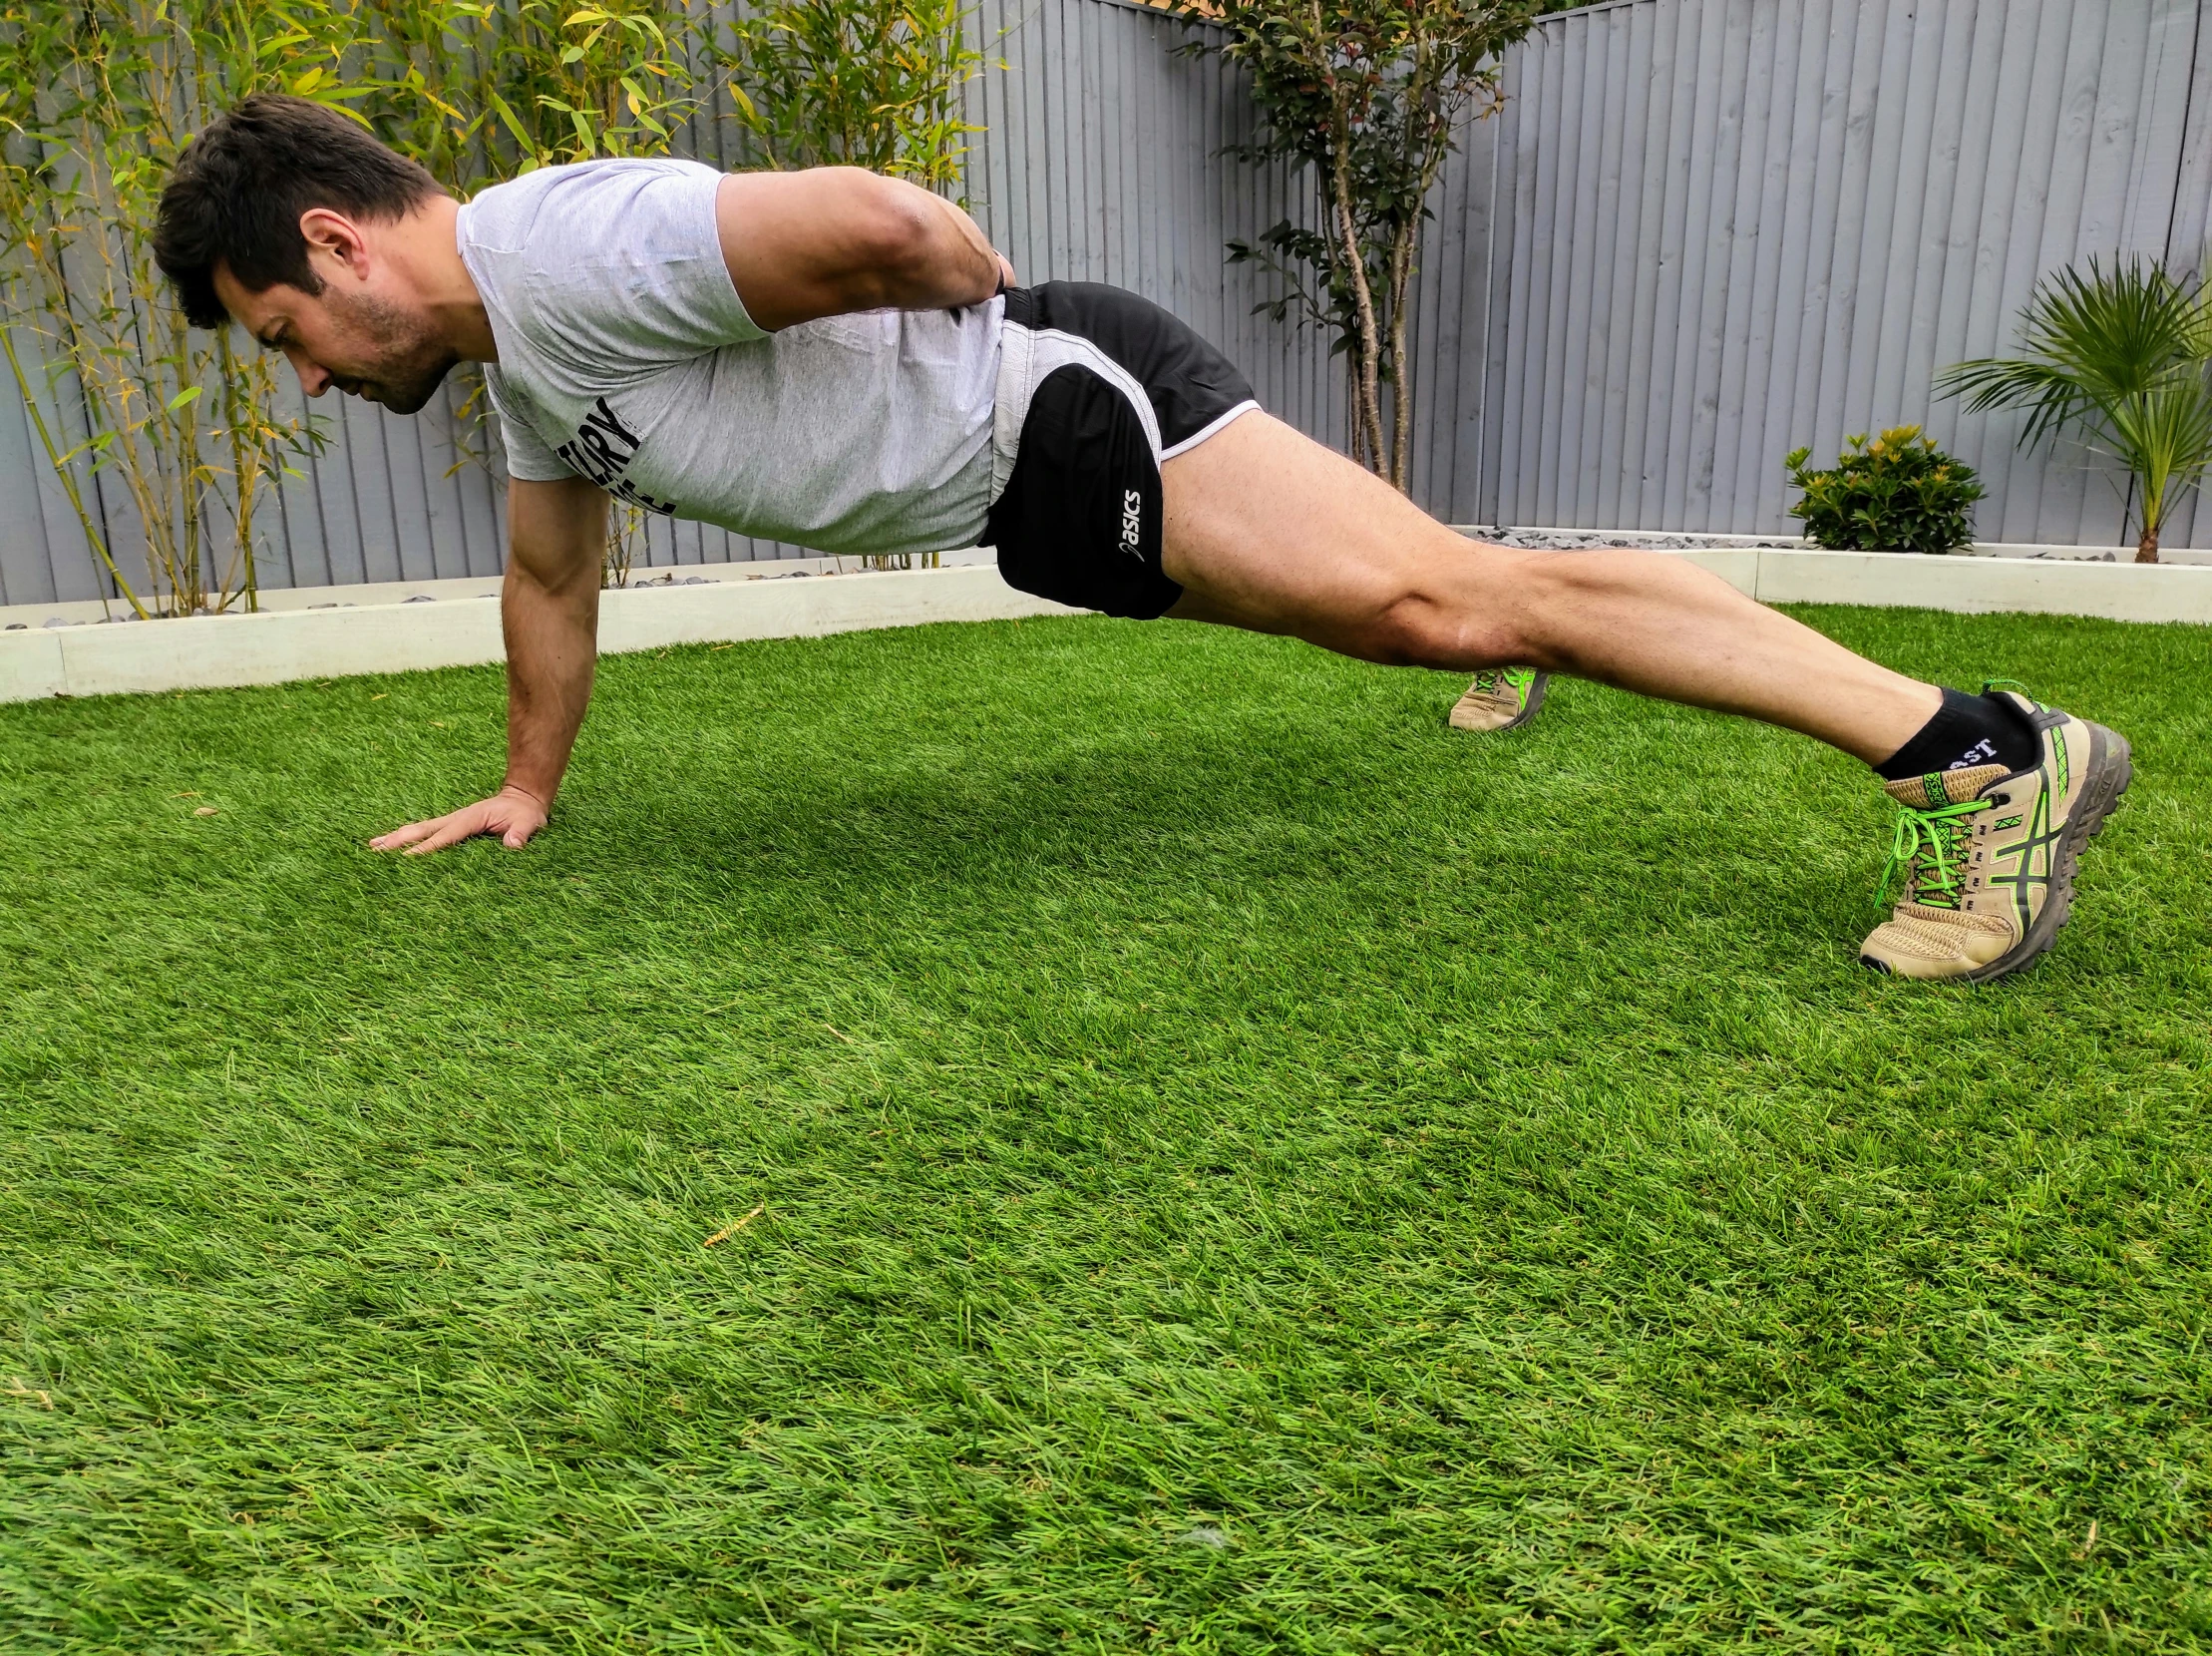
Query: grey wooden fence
point(1701, 232)
point(1721, 228)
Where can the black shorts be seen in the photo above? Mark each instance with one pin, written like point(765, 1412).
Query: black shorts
point(1096, 388)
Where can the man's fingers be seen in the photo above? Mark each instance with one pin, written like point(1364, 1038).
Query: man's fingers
point(451, 830)
point(401, 838)
point(522, 827)
point(497, 815)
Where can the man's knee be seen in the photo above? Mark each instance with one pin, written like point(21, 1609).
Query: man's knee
point(1470, 607)
point(1426, 629)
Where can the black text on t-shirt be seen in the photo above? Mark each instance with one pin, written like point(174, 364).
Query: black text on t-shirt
point(601, 451)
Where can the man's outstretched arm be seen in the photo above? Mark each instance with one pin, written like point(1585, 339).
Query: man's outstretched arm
point(550, 611)
point(834, 239)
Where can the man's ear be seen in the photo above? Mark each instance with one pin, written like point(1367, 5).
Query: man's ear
point(335, 238)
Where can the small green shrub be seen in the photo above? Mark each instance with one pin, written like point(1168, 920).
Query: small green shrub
point(1899, 493)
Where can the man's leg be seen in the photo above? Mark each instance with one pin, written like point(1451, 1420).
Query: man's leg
point(1264, 528)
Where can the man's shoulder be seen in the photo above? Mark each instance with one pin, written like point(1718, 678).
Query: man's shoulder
point(559, 212)
point(603, 270)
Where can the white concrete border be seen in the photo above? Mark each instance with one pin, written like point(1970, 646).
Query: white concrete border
point(276, 647)
point(363, 596)
point(1967, 586)
point(463, 627)
point(1686, 539)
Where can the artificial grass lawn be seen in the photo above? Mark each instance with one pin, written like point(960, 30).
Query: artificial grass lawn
point(1245, 1169)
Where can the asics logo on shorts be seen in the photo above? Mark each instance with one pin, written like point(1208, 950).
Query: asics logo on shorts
point(1131, 523)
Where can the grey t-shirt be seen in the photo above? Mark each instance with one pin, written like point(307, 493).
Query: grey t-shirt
point(626, 358)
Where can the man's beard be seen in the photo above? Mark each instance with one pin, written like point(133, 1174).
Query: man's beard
point(411, 361)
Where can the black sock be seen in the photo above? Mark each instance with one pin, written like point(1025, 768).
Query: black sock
point(1966, 730)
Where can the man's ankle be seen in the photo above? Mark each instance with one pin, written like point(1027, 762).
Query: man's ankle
point(1966, 730)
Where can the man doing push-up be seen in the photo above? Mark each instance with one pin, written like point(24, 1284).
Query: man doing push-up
point(842, 361)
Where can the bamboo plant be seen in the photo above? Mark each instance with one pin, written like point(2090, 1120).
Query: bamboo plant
point(144, 423)
point(856, 82)
point(478, 91)
point(180, 438)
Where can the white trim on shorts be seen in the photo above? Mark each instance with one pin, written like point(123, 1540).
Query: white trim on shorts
point(1029, 355)
point(1247, 406)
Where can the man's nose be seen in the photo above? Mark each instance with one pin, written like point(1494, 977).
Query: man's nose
point(313, 379)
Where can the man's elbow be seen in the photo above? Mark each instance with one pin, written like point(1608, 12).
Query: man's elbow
point(902, 236)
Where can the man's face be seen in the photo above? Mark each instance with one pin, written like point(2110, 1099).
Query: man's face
point(367, 343)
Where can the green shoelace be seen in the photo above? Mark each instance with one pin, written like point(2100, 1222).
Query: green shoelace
point(1932, 844)
point(1486, 682)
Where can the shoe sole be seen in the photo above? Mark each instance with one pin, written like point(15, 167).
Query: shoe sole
point(2112, 768)
point(1537, 688)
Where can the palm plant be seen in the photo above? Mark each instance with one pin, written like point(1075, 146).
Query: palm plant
point(2123, 357)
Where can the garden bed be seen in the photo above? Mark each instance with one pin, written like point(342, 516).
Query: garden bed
point(1070, 1134)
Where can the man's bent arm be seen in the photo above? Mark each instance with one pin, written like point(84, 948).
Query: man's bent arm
point(834, 239)
point(549, 614)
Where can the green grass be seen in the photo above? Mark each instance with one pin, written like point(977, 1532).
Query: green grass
point(1196, 1098)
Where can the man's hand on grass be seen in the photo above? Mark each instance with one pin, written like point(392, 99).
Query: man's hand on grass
point(513, 813)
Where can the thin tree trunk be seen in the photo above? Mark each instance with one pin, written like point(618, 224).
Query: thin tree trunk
point(1356, 431)
point(1368, 400)
point(1370, 391)
point(182, 427)
point(1402, 250)
point(246, 472)
point(2146, 550)
point(1401, 381)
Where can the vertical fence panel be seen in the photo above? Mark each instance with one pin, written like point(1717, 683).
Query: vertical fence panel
point(1831, 199)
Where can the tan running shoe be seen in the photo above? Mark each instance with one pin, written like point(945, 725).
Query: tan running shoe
point(1501, 698)
point(1989, 857)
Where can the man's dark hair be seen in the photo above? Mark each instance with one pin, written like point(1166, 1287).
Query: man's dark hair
point(239, 188)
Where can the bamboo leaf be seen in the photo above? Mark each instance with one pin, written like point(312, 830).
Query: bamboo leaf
point(512, 121)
